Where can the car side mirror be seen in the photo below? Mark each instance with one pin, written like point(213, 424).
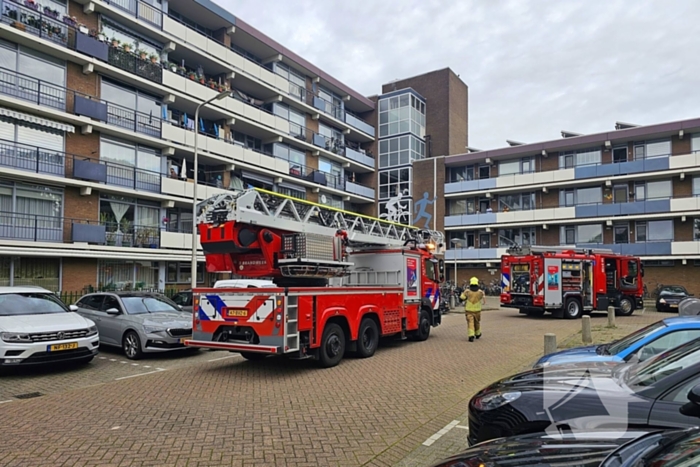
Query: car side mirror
point(112, 311)
point(180, 307)
point(692, 408)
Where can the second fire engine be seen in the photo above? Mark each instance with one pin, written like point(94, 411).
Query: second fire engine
point(569, 282)
point(343, 280)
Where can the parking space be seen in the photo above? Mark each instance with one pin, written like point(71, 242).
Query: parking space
point(406, 406)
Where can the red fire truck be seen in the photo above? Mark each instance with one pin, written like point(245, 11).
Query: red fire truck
point(342, 280)
point(569, 282)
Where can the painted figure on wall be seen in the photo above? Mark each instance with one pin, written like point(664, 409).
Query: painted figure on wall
point(396, 212)
point(420, 207)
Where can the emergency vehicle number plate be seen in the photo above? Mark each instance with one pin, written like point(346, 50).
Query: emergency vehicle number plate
point(236, 312)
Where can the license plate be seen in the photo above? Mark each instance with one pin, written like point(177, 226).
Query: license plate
point(236, 312)
point(183, 339)
point(674, 305)
point(59, 347)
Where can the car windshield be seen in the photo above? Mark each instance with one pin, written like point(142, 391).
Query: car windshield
point(683, 452)
point(181, 298)
point(17, 304)
point(673, 290)
point(633, 338)
point(663, 365)
point(141, 305)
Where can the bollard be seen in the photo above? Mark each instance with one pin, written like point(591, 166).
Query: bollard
point(611, 317)
point(550, 343)
point(586, 329)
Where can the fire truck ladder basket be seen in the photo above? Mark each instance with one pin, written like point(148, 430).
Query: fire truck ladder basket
point(530, 250)
point(273, 210)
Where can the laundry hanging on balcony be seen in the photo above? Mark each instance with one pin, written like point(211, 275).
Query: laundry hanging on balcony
point(36, 120)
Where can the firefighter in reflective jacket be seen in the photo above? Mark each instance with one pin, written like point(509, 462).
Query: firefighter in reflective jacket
point(473, 299)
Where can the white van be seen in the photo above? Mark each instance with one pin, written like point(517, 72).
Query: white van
point(243, 283)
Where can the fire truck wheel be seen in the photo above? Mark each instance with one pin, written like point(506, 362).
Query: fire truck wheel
point(332, 346)
point(626, 307)
point(423, 331)
point(572, 309)
point(368, 338)
point(253, 356)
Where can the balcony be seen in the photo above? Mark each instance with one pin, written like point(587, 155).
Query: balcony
point(127, 61)
point(358, 124)
point(474, 254)
point(359, 157)
point(333, 145)
point(622, 209)
point(50, 229)
point(134, 236)
point(360, 190)
point(622, 168)
point(471, 219)
point(471, 185)
point(140, 10)
point(634, 249)
point(45, 25)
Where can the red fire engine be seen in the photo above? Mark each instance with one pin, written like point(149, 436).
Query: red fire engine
point(569, 282)
point(343, 280)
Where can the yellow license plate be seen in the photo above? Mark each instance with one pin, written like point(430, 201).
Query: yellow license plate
point(236, 312)
point(59, 347)
point(673, 305)
point(183, 339)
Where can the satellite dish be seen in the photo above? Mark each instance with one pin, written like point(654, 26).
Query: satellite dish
point(323, 199)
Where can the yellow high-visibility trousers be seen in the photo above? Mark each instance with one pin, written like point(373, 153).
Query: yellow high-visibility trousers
point(474, 323)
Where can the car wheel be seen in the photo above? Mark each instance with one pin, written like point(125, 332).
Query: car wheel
point(368, 338)
point(572, 310)
point(131, 345)
point(626, 307)
point(332, 346)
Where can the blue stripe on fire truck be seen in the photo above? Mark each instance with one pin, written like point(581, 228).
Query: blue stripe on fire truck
point(505, 281)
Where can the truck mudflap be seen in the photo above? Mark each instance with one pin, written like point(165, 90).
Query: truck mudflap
point(234, 347)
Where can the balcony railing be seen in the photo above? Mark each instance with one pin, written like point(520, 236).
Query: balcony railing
point(125, 234)
point(141, 10)
point(50, 162)
point(43, 93)
point(48, 228)
point(133, 64)
point(35, 22)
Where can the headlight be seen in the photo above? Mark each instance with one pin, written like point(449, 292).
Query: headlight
point(15, 337)
point(92, 330)
point(662, 300)
point(496, 400)
point(152, 329)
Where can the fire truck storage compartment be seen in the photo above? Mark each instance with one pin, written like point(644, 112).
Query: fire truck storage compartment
point(401, 268)
point(520, 279)
point(553, 281)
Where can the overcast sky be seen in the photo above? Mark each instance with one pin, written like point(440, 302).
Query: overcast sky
point(533, 68)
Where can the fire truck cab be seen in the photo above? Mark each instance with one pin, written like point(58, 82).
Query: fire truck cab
point(569, 282)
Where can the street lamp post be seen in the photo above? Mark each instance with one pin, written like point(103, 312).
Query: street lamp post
point(193, 272)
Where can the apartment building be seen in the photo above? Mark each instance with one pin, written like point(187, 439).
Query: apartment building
point(634, 190)
point(97, 130)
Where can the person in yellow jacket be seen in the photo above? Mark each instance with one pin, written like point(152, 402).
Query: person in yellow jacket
point(473, 298)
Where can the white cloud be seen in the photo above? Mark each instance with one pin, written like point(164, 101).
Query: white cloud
point(533, 68)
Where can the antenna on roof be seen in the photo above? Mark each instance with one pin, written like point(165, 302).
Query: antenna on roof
point(569, 134)
point(624, 126)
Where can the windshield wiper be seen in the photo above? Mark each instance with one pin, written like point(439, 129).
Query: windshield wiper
point(661, 446)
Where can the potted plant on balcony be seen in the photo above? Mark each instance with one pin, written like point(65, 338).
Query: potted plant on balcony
point(154, 58)
point(222, 87)
point(83, 29)
point(70, 20)
point(48, 11)
point(101, 36)
point(202, 79)
point(142, 54)
point(212, 83)
point(126, 47)
point(192, 75)
point(31, 4)
point(115, 42)
point(182, 70)
point(153, 237)
point(19, 25)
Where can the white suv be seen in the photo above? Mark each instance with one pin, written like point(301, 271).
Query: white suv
point(36, 328)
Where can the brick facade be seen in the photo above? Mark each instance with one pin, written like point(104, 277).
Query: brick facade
point(424, 184)
point(79, 273)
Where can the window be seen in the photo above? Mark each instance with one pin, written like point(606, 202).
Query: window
point(619, 154)
point(130, 165)
point(130, 222)
point(580, 196)
point(659, 263)
point(696, 229)
point(124, 102)
point(179, 273)
point(179, 220)
point(651, 149)
point(33, 65)
point(295, 157)
point(127, 275)
point(484, 172)
point(585, 234)
point(334, 138)
point(580, 158)
point(516, 202)
point(620, 194)
point(457, 207)
point(696, 186)
point(520, 237)
point(110, 302)
point(19, 142)
point(459, 174)
point(621, 233)
point(333, 103)
point(695, 143)
point(297, 120)
point(394, 182)
point(31, 212)
point(400, 151)
point(401, 114)
point(246, 141)
point(334, 172)
point(299, 194)
point(653, 190)
point(112, 29)
point(331, 200)
point(297, 82)
point(655, 231)
point(462, 239)
point(91, 302)
point(40, 272)
point(666, 342)
point(521, 166)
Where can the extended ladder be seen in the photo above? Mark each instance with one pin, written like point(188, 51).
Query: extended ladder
point(268, 209)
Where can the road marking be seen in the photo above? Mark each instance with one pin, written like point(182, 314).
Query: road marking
point(140, 374)
point(123, 362)
point(439, 434)
point(103, 358)
point(5, 402)
point(112, 359)
point(147, 366)
point(463, 427)
point(135, 364)
point(115, 427)
point(223, 358)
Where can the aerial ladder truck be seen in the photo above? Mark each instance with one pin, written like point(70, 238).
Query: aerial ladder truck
point(342, 280)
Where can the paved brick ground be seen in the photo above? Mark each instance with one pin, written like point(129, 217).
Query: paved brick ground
point(375, 412)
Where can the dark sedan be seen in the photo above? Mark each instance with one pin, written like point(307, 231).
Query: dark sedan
point(589, 397)
point(670, 296)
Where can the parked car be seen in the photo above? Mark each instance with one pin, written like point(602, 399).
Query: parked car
point(638, 346)
point(670, 296)
point(183, 300)
point(36, 327)
point(633, 448)
point(243, 283)
point(577, 396)
point(138, 322)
